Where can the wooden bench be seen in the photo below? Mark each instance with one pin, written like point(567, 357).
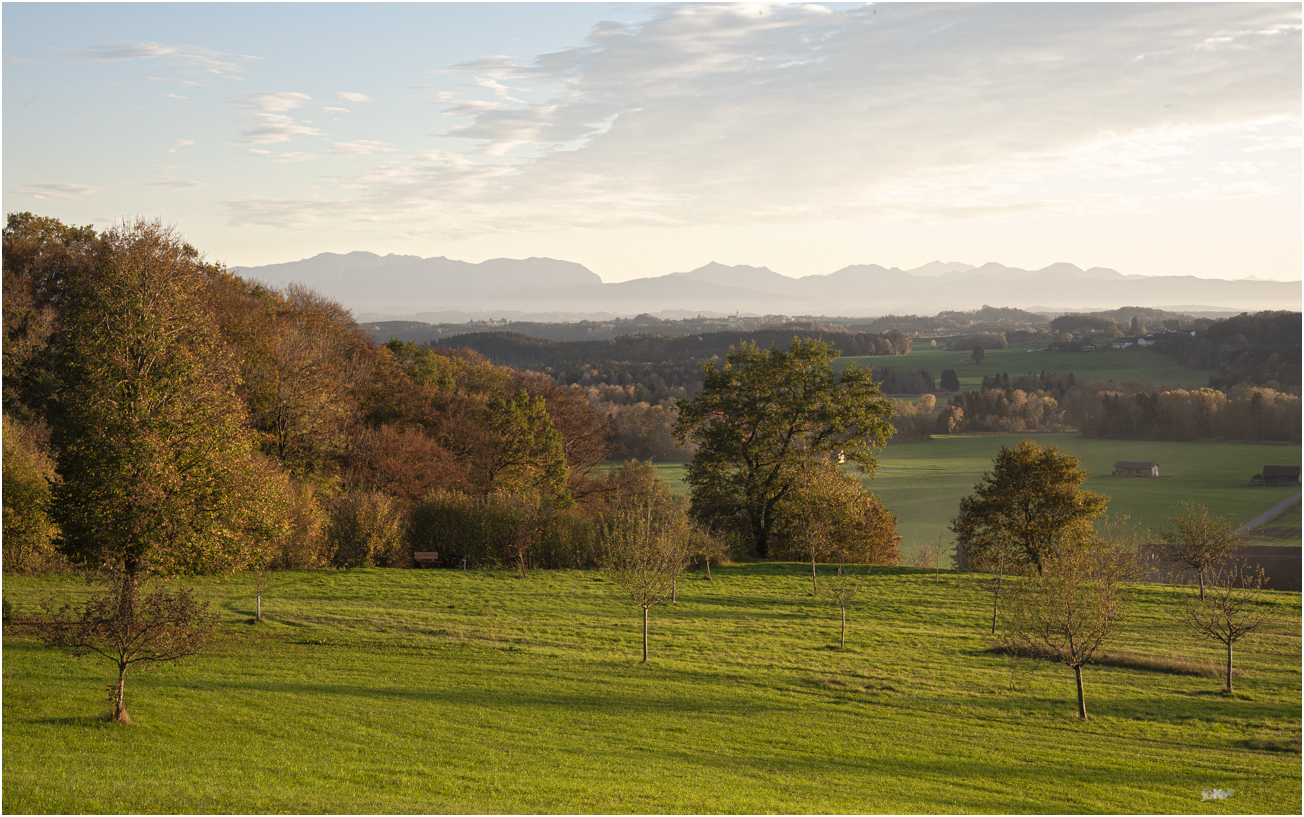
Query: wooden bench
point(426, 558)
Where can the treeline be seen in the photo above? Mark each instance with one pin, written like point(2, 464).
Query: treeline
point(1116, 410)
point(513, 349)
point(575, 330)
point(1261, 349)
point(344, 439)
point(987, 319)
point(635, 381)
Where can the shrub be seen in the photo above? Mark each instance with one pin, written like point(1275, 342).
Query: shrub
point(366, 530)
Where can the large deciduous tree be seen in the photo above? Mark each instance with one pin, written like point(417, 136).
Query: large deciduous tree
point(160, 473)
point(1030, 503)
point(763, 414)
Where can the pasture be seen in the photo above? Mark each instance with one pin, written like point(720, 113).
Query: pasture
point(1136, 363)
point(404, 691)
point(922, 483)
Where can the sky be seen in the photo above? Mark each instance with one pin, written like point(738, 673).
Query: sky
point(640, 139)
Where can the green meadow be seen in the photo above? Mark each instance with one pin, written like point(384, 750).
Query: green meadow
point(1136, 363)
point(922, 483)
point(405, 691)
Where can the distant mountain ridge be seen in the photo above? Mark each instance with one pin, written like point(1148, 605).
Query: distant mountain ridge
point(405, 285)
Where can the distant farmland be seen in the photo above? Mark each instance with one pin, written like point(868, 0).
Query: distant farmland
point(1107, 364)
point(922, 483)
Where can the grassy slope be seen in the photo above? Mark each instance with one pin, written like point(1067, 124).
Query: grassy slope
point(1136, 363)
point(922, 483)
point(433, 691)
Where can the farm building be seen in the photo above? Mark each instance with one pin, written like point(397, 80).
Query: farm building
point(1277, 475)
point(1123, 468)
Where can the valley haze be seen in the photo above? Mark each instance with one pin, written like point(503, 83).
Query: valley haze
point(394, 287)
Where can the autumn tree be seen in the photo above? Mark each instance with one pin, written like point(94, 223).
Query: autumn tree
point(29, 478)
point(41, 257)
point(645, 536)
point(528, 455)
point(1233, 608)
point(160, 475)
point(302, 372)
point(1068, 610)
point(763, 414)
point(830, 517)
point(1199, 541)
point(1030, 502)
point(583, 431)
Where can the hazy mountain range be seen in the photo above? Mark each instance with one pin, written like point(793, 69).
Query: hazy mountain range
point(409, 287)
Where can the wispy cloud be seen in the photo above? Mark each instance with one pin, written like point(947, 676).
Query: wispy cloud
point(181, 143)
point(269, 128)
point(180, 184)
point(205, 59)
point(293, 157)
point(738, 114)
point(350, 96)
point(361, 147)
point(270, 125)
point(58, 191)
point(278, 101)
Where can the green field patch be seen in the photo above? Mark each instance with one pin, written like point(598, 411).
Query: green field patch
point(433, 691)
point(922, 483)
point(1282, 529)
point(1135, 363)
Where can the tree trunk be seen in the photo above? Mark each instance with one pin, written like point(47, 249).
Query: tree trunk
point(814, 581)
point(120, 696)
point(674, 590)
point(1229, 666)
point(1082, 701)
point(708, 568)
point(996, 593)
point(843, 644)
point(644, 635)
point(258, 615)
point(1200, 574)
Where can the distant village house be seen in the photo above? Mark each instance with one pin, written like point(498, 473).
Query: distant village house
point(1123, 468)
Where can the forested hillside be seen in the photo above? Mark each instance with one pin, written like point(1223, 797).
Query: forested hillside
point(135, 369)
